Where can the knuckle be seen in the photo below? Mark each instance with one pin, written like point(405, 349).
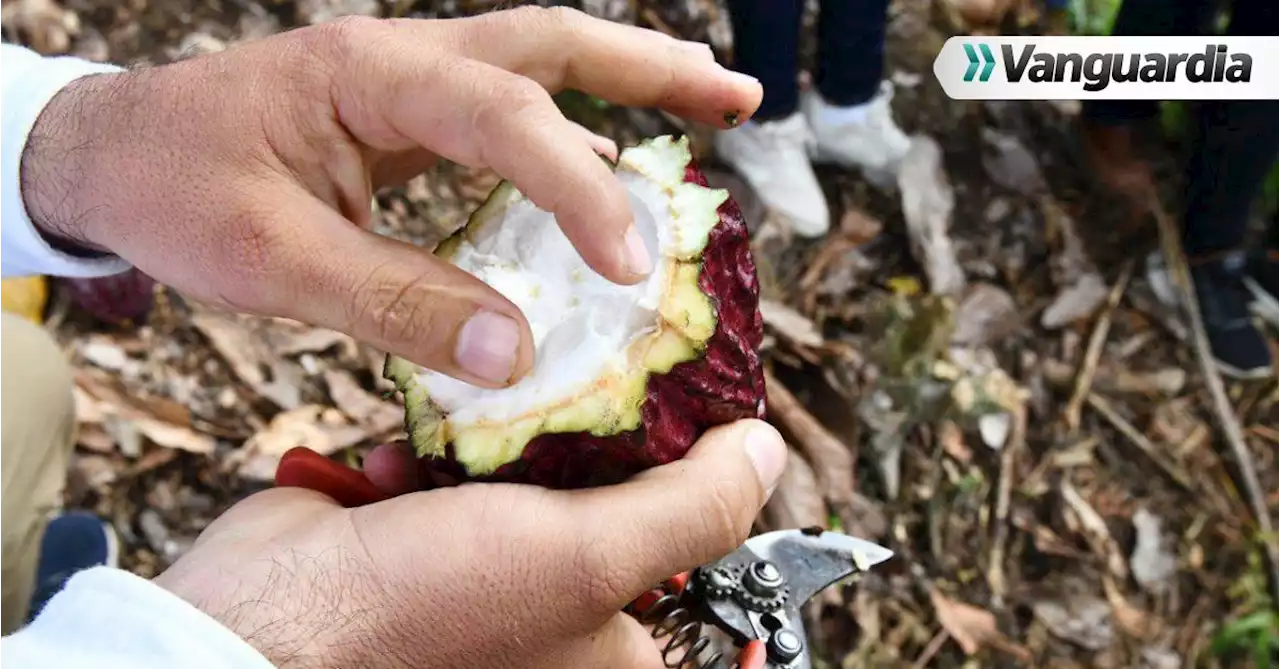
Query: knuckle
point(346, 35)
point(250, 243)
point(392, 307)
point(254, 249)
point(513, 100)
point(567, 18)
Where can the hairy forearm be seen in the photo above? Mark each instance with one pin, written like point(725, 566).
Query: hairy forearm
point(34, 175)
point(66, 152)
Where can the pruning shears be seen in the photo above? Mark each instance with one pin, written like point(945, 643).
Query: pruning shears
point(754, 595)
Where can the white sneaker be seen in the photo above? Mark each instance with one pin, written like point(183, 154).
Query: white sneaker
point(773, 157)
point(863, 137)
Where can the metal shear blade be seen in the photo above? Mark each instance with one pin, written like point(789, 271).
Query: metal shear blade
point(757, 592)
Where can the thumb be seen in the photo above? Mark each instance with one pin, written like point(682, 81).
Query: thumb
point(675, 517)
point(400, 299)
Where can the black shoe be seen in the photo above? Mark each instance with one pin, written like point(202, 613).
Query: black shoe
point(1260, 280)
point(73, 541)
point(1238, 347)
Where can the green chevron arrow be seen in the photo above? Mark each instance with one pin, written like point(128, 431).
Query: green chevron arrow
point(988, 62)
point(990, 58)
point(973, 62)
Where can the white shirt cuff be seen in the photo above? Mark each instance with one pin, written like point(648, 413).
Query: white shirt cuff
point(109, 618)
point(29, 83)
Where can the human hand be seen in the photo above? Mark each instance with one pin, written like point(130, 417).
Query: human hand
point(479, 575)
point(244, 178)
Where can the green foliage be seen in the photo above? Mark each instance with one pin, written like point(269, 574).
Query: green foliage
point(1093, 17)
point(1254, 634)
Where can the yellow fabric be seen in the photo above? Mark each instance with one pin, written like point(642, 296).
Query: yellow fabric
point(25, 296)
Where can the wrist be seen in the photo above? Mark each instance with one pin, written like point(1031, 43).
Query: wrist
point(62, 162)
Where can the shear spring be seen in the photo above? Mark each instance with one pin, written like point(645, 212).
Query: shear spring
point(685, 640)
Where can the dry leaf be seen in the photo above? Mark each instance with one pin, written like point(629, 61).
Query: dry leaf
point(104, 353)
point(972, 628)
point(833, 460)
point(1084, 621)
point(128, 417)
point(1151, 561)
point(362, 407)
point(986, 315)
point(858, 227)
point(1094, 527)
point(927, 203)
point(793, 325)
point(1132, 620)
point(239, 341)
point(1076, 301)
point(313, 340)
point(951, 438)
point(324, 430)
point(1010, 163)
point(44, 24)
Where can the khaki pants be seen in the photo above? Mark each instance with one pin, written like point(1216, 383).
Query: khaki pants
point(38, 426)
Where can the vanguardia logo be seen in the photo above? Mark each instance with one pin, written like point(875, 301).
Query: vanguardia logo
point(988, 62)
point(1158, 68)
point(1098, 70)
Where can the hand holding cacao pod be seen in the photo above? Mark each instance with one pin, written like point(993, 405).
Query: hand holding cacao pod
point(244, 178)
point(494, 576)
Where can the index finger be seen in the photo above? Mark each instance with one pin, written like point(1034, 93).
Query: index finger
point(564, 48)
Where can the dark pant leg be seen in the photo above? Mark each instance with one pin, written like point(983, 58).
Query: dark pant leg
point(850, 50)
point(1233, 149)
point(1150, 18)
point(766, 38)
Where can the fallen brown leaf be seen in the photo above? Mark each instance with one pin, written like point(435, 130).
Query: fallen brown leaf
point(361, 406)
point(1090, 523)
point(239, 340)
point(791, 324)
point(833, 461)
point(973, 628)
point(99, 403)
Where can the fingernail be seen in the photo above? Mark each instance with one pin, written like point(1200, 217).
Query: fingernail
point(768, 454)
point(742, 78)
point(487, 345)
point(635, 255)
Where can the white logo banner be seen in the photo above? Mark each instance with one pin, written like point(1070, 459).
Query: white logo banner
point(1115, 68)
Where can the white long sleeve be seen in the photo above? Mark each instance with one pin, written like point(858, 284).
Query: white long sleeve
point(108, 618)
point(29, 81)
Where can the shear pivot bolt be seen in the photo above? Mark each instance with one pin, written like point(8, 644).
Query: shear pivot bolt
point(785, 646)
point(763, 578)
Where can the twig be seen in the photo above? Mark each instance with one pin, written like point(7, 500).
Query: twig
point(995, 565)
point(1088, 368)
point(1227, 421)
point(935, 645)
point(1103, 407)
point(832, 460)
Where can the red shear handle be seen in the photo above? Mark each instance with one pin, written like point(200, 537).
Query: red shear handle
point(753, 655)
point(302, 467)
